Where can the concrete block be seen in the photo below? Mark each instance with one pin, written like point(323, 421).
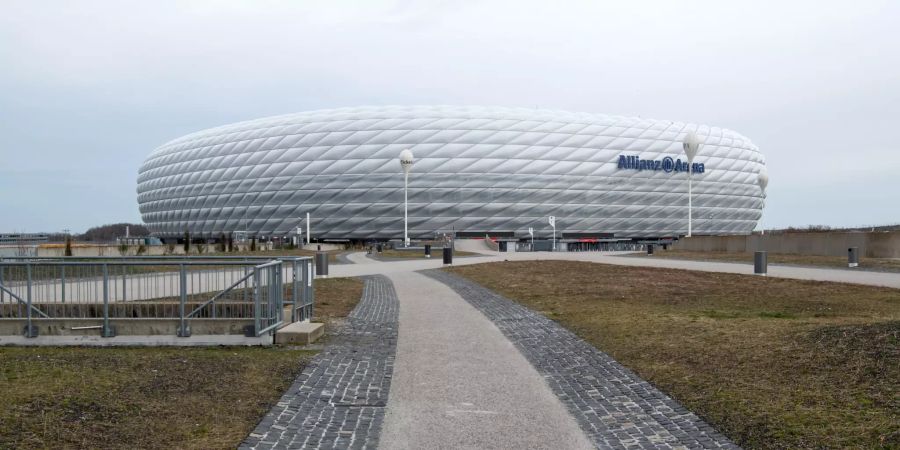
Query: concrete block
point(301, 333)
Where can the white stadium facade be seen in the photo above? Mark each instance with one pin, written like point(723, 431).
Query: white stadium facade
point(477, 170)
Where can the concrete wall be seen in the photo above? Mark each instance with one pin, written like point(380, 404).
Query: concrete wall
point(871, 244)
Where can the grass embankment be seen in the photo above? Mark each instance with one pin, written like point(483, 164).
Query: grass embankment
point(139, 397)
point(772, 363)
point(200, 398)
point(880, 264)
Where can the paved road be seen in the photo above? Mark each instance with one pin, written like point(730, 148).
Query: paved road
point(459, 383)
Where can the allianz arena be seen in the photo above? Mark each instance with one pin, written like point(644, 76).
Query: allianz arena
point(477, 170)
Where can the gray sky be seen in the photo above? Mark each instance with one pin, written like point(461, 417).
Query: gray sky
point(88, 89)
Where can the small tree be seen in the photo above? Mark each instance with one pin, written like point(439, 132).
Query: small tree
point(187, 242)
point(68, 245)
point(230, 242)
point(170, 248)
point(253, 244)
point(201, 247)
point(123, 249)
point(141, 249)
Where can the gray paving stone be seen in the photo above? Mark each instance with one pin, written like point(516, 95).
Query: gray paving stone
point(613, 406)
point(338, 400)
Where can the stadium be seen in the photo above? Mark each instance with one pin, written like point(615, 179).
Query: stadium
point(477, 171)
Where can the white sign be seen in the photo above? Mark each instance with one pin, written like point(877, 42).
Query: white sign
point(552, 221)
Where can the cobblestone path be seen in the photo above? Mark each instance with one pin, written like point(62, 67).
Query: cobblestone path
point(338, 401)
point(614, 407)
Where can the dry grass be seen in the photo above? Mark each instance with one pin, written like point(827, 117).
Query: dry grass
point(420, 254)
point(879, 264)
point(335, 298)
point(139, 397)
point(772, 363)
point(196, 398)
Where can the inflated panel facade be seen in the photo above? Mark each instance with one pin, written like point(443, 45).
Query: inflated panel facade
point(476, 169)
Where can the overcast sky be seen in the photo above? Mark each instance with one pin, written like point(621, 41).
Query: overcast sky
point(88, 89)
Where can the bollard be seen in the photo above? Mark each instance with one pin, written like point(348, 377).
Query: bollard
point(448, 255)
point(853, 257)
point(321, 264)
point(428, 250)
point(760, 263)
point(649, 249)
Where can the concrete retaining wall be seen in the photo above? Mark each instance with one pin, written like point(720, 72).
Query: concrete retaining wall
point(871, 244)
point(125, 327)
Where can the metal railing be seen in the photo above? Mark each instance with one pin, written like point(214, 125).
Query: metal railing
point(177, 288)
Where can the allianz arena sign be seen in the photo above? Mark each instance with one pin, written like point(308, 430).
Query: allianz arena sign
point(666, 164)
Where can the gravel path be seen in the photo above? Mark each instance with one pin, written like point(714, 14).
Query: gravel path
point(459, 383)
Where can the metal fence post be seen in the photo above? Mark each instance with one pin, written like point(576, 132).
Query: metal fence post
point(106, 331)
point(62, 276)
point(256, 300)
point(279, 306)
point(296, 285)
point(310, 292)
point(183, 329)
point(30, 330)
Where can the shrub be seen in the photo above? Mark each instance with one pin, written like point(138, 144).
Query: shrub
point(253, 244)
point(68, 245)
point(170, 248)
point(201, 247)
point(141, 249)
point(123, 249)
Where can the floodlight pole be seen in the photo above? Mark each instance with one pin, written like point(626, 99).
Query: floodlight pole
point(691, 145)
point(406, 162)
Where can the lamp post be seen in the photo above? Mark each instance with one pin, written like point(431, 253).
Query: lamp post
point(691, 146)
point(763, 179)
point(406, 162)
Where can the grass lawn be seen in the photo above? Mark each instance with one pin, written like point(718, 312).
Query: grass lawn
point(436, 252)
point(139, 397)
point(770, 362)
point(335, 298)
point(880, 264)
point(200, 398)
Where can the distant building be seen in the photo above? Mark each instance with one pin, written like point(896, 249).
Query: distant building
point(23, 238)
